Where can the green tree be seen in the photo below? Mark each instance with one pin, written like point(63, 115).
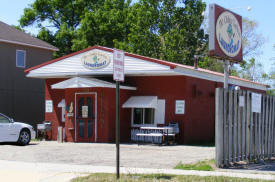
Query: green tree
point(18, 28)
point(271, 91)
point(58, 20)
point(251, 39)
point(166, 29)
point(103, 26)
point(252, 70)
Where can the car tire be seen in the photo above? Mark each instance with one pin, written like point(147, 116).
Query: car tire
point(24, 137)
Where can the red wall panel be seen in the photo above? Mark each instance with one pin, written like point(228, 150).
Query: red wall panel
point(56, 96)
point(196, 125)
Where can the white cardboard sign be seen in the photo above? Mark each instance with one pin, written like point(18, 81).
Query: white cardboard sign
point(180, 107)
point(256, 102)
point(241, 101)
point(118, 63)
point(84, 111)
point(49, 106)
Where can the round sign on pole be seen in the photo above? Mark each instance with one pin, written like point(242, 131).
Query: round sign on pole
point(225, 34)
point(228, 34)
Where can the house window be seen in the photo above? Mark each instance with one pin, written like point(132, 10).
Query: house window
point(20, 58)
point(138, 116)
point(143, 116)
point(149, 114)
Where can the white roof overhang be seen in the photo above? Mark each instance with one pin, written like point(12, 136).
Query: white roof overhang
point(141, 102)
point(79, 82)
point(217, 78)
point(61, 103)
point(89, 73)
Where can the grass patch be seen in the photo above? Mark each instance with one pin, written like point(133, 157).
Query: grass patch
point(207, 165)
point(36, 140)
point(101, 177)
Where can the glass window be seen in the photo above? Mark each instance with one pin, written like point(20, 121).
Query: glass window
point(143, 116)
point(81, 128)
point(90, 128)
point(90, 106)
point(149, 116)
point(20, 58)
point(4, 119)
point(80, 104)
point(138, 116)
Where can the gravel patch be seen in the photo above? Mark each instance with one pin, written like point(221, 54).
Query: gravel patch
point(102, 154)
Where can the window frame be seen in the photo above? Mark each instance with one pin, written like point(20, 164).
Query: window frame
point(143, 118)
point(6, 117)
point(18, 66)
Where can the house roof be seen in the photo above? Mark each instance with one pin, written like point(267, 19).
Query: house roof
point(71, 66)
point(50, 68)
point(11, 35)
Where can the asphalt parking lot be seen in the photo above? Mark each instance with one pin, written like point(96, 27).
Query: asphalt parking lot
point(102, 154)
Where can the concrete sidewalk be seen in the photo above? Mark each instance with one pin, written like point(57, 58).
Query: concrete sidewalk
point(12, 171)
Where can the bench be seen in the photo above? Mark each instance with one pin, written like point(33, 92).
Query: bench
point(170, 137)
point(148, 135)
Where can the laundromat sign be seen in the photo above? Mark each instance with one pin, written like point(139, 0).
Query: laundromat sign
point(95, 60)
point(225, 38)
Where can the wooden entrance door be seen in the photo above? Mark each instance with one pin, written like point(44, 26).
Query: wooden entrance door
point(85, 117)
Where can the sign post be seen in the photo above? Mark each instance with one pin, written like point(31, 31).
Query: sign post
point(118, 75)
point(226, 73)
point(225, 37)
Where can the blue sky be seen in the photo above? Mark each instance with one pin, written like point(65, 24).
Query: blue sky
point(261, 11)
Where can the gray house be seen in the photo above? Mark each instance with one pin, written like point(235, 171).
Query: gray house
point(21, 98)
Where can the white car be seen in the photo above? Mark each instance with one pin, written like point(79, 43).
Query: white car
point(11, 131)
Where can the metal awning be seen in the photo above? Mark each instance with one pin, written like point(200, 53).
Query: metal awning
point(61, 103)
point(79, 82)
point(141, 102)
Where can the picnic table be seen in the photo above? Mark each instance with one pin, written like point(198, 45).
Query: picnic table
point(151, 131)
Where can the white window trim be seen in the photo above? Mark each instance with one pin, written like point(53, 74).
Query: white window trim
point(17, 50)
point(139, 125)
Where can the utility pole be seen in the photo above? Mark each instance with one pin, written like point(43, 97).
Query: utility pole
point(117, 129)
point(118, 76)
point(226, 74)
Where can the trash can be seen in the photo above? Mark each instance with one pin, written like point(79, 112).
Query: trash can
point(60, 134)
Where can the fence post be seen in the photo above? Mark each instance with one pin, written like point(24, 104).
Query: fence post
point(219, 127)
point(230, 129)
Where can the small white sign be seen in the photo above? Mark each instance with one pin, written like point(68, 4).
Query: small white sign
point(84, 111)
point(70, 114)
point(256, 102)
point(118, 62)
point(241, 101)
point(180, 107)
point(49, 106)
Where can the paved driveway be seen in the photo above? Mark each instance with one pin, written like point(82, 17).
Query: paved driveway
point(98, 154)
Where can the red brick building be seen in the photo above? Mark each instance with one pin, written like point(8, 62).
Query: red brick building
point(82, 99)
